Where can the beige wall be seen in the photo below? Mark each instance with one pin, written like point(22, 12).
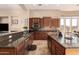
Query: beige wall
point(52, 13)
point(16, 14)
point(4, 20)
point(70, 13)
point(44, 13)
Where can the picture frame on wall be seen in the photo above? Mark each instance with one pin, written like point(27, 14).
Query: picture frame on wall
point(15, 21)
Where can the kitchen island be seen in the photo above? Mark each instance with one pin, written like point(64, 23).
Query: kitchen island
point(62, 46)
point(14, 43)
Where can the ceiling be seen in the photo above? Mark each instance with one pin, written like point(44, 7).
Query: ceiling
point(60, 7)
point(9, 7)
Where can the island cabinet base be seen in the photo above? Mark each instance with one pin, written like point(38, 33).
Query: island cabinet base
point(58, 49)
point(19, 50)
point(7, 51)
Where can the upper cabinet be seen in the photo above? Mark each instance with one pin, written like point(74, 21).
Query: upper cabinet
point(33, 21)
point(55, 22)
point(44, 22)
point(47, 21)
point(51, 22)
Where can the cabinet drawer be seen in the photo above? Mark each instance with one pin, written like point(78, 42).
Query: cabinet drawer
point(60, 48)
point(58, 52)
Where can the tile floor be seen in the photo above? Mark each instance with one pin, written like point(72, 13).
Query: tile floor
point(42, 48)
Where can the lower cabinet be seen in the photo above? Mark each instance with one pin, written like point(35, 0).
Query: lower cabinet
point(7, 51)
point(20, 50)
point(49, 44)
point(40, 35)
point(29, 42)
point(54, 47)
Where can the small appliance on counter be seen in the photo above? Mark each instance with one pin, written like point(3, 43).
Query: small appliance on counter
point(35, 26)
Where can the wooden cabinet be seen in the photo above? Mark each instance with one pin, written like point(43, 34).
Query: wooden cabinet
point(31, 38)
point(40, 35)
point(34, 20)
point(20, 50)
point(47, 21)
point(55, 22)
point(49, 44)
point(54, 47)
point(53, 51)
point(44, 22)
point(44, 35)
point(41, 22)
point(37, 35)
point(7, 51)
point(59, 48)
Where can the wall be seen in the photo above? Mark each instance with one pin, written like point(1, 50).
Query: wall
point(4, 20)
point(52, 13)
point(45, 13)
point(70, 13)
point(16, 14)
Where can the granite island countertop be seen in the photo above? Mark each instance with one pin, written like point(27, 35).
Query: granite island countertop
point(18, 41)
point(17, 37)
point(64, 42)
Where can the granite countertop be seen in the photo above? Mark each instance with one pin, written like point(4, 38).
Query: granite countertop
point(74, 43)
point(17, 42)
point(16, 38)
point(46, 29)
point(7, 33)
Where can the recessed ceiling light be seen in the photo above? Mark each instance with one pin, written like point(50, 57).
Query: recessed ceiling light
point(40, 4)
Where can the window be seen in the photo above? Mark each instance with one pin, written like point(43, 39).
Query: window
point(74, 24)
point(70, 24)
point(62, 24)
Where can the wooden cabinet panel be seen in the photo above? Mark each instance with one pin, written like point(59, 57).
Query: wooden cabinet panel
point(40, 35)
point(54, 47)
point(32, 21)
point(42, 22)
point(60, 48)
point(44, 35)
point(21, 48)
point(49, 44)
point(58, 52)
point(7, 51)
point(55, 22)
point(31, 38)
point(47, 21)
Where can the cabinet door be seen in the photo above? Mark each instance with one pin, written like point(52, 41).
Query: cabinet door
point(42, 23)
point(55, 22)
point(49, 44)
point(44, 35)
point(37, 35)
point(53, 47)
point(21, 48)
point(32, 21)
point(46, 21)
point(31, 38)
point(60, 50)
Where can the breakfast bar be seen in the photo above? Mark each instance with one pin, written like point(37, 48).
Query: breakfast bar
point(14, 43)
point(62, 46)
